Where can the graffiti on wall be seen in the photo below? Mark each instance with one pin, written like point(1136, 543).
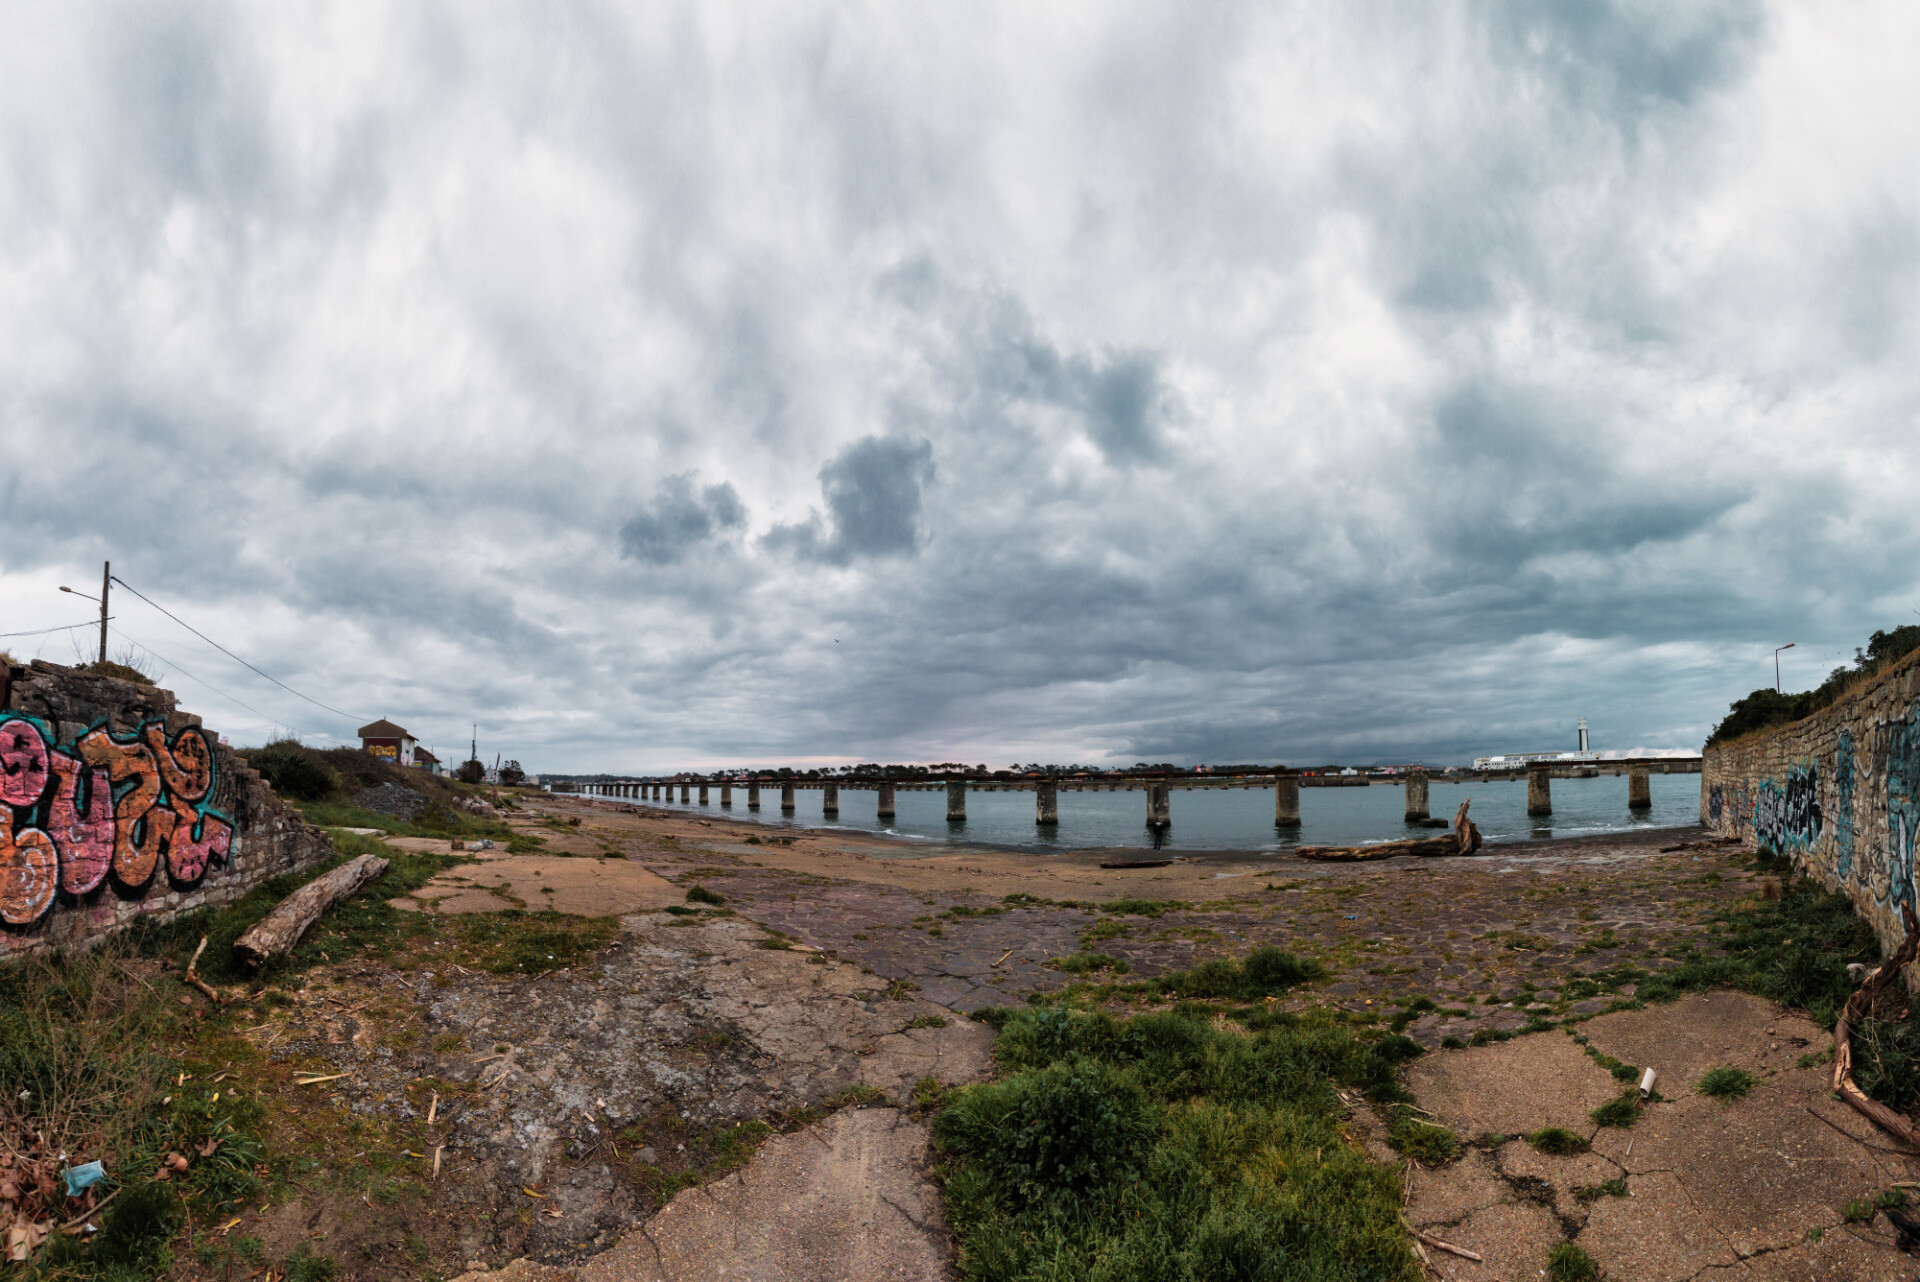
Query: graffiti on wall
point(1903, 809)
point(1788, 818)
point(1843, 772)
point(105, 807)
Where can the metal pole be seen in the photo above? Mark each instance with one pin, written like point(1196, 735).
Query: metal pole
point(106, 583)
point(1776, 662)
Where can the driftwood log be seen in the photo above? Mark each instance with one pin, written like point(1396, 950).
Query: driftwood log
point(1857, 1007)
point(1463, 840)
point(281, 929)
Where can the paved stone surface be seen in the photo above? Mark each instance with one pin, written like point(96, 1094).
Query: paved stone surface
point(850, 1199)
point(1703, 1031)
point(1513, 1087)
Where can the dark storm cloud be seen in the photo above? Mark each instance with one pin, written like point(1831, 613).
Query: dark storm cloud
point(710, 386)
point(873, 493)
point(677, 519)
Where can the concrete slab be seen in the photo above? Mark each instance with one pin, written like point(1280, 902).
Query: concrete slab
point(1654, 1236)
point(1512, 1087)
point(1683, 1040)
point(850, 1198)
point(1762, 1169)
point(582, 887)
point(1513, 1238)
point(1524, 1167)
point(1859, 1253)
point(1451, 1193)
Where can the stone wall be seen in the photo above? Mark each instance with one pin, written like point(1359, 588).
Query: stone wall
point(115, 805)
point(1838, 792)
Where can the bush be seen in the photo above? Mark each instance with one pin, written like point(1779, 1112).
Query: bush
point(294, 771)
point(1764, 708)
point(1059, 1132)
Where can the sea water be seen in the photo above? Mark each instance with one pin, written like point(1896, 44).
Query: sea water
point(1224, 818)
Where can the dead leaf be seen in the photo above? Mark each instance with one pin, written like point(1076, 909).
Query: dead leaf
point(206, 1150)
point(177, 1161)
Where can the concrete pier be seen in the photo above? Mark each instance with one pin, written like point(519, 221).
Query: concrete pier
point(1046, 803)
point(685, 793)
point(753, 795)
point(1286, 802)
point(1639, 788)
point(1416, 796)
point(1159, 806)
point(656, 792)
point(703, 792)
point(726, 793)
point(786, 797)
point(885, 808)
point(956, 801)
point(1539, 790)
point(830, 799)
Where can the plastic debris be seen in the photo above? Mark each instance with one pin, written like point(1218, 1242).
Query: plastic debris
point(83, 1177)
point(1646, 1084)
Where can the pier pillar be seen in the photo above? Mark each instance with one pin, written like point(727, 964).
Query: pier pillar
point(830, 799)
point(1417, 796)
point(685, 789)
point(656, 792)
point(885, 809)
point(1286, 801)
point(753, 794)
point(1539, 790)
point(786, 796)
point(703, 792)
point(726, 793)
point(1046, 802)
point(1159, 806)
point(956, 801)
point(1639, 788)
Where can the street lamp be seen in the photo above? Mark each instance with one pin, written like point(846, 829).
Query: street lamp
point(1776, 665)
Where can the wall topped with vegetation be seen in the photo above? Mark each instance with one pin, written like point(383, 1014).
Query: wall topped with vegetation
point(115, 805)
point(1837, 792)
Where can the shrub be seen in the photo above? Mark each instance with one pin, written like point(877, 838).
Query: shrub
point(1059, 1132)
point(294, 771)
point(1726, 1083)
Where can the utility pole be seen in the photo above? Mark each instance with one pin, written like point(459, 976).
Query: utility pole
point(106, 585)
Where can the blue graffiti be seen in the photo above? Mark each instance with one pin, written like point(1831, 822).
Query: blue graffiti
point(1788, 819)
point(1715, 803)
point(1903, 808)
point(1843, 805)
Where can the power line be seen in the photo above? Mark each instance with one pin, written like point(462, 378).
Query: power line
point(230, 654)
point(202, 680)
point(90, 623)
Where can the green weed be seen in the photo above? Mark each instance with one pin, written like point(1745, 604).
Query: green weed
point(1566, 1262)
point(1726, 1083)
point(1557, 1140)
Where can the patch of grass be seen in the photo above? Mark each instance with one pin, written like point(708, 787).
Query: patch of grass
point(1557, 1140)
point(1451, 1043)
point(518, 942)
point(302, 1266)
point(701, 895)
point(1162, 1147)
point(1618, 1112)
point(1422, 1141)
point(524, 843)
point(1886, 1060)
point(1143, 907)
point(1084, 963)
point(1726, 1083)
point(928, 1021)
point(1101, 931)
point(1858, 1211)
point(1566, 1262)
point(1266, 972)
point(1616, 1187)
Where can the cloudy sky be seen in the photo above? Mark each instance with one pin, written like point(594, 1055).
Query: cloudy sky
point(668, 386)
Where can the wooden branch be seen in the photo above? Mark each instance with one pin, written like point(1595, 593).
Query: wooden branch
point(1857, 1006)
point(193, 975)
point(1448, 1247)
point(282, 928)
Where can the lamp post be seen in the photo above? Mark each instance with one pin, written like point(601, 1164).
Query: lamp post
point(106, 585)
point(1776, 664)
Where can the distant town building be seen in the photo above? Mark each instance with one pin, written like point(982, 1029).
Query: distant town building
point(384, 739)
point(425, 760)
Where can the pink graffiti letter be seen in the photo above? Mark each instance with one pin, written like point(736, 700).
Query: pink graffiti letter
point(23, 762)
point(84, 838)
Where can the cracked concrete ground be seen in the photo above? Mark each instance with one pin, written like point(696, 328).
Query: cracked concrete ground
point(1750, 1188)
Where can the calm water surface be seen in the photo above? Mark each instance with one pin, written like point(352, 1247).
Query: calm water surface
point(1226, 818)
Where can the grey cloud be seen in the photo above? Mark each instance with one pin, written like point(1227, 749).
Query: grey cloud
point(873, 490)
point(676, 520)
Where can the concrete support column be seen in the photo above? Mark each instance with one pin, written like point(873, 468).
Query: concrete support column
point(1539, 790)
point(885, 809)
point(656, 792)
point(1416, 796)
point(753, 794)
point(830, 799)
point(1286, 801)
point(786, 797)
point(956, 801)
point(726, 793)
point(1159, 806)
point(1046, 802)
point(703, 792)
point(684, 790)
point(1639, 788)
